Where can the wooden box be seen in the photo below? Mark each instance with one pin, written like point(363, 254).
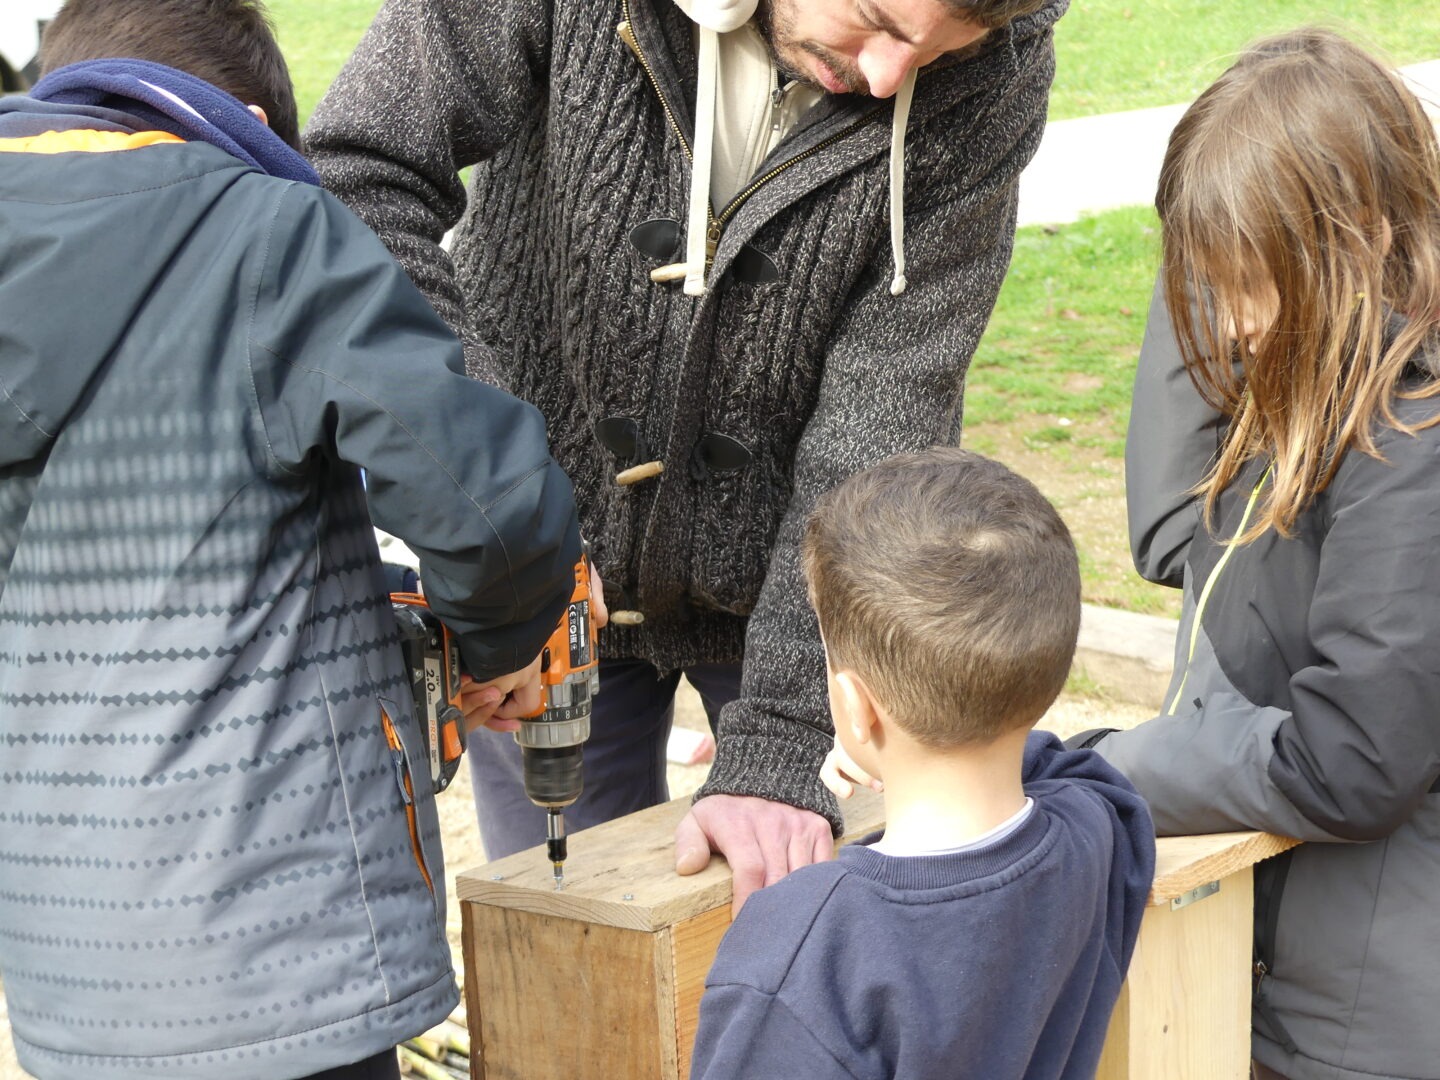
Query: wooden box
point(604, 979)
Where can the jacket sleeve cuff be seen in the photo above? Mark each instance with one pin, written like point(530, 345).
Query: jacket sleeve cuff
point(782, 766)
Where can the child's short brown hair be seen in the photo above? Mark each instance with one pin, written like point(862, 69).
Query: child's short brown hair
point(951, 587)
point(228, 43)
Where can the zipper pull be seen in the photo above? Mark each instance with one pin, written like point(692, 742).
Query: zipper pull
point(777, 105)
point(712, 243)
point(677, 271)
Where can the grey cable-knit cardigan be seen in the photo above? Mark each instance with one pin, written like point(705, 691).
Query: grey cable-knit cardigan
point(576, 139)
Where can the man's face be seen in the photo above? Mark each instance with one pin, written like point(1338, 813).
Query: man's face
point(861, 46)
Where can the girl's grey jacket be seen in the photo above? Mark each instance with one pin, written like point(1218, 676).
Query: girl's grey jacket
point(796, 368)
point(1305, 702)
point(219, 852)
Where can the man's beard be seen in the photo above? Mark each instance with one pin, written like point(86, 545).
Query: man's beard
point(777, 30)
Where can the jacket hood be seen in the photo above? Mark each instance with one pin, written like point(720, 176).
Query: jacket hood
point(67, 283)
point(715, 17)
point(722, 16)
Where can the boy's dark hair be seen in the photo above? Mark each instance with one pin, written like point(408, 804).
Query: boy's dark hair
point(228, 43)
point(951, 587)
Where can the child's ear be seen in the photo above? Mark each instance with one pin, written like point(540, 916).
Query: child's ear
point(858, 705)
point(259, 114)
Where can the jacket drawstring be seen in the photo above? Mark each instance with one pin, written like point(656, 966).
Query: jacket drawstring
point(697, 229)
point(898, 125)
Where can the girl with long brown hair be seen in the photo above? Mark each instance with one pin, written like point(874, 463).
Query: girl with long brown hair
point(1291, 485)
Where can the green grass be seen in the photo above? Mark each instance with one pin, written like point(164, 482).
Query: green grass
point(1063, 339)
point(1130, 54)
point(317, 37)
point(1048, 391)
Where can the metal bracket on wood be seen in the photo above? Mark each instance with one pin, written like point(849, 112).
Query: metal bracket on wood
point(1200, 892)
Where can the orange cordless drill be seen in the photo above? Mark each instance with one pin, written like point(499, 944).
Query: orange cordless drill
point(550, 738)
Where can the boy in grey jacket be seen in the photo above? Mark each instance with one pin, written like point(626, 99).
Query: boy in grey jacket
point(219, 851)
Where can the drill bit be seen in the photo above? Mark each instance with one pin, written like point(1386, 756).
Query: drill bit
point(555, 843)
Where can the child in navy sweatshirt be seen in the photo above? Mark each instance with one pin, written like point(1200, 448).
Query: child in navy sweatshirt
point(985, 933)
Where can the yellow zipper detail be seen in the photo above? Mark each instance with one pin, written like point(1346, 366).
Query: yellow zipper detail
point(1210, 585)
point(718, 223)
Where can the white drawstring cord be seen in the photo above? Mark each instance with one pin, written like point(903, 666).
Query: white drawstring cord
point(697, 229)
point(897, 179)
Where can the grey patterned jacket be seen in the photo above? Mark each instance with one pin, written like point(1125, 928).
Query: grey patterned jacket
point(208, 863)
point(797, 352)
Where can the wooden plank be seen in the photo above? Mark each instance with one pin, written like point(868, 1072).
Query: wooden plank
point(662, 956)
point(1183, 863)
point(1184, 1011)
point(558, 998)
point(635, 856)
point(632, 857)
point(693, 946)
point(472, 995)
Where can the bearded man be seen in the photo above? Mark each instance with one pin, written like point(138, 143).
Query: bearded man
point(734, 254)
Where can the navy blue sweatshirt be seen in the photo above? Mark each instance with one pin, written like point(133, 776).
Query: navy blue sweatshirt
point(995, 964)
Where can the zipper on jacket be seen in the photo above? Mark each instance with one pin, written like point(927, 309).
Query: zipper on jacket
point(1267, 919)
point(407, 792)
point(758, 183)
point(1209, 586)
point(627, 35)
point(718, 222)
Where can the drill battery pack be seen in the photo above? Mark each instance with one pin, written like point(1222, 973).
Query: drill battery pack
point(432, 662)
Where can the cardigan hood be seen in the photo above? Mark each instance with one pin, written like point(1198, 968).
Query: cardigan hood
point(715, 17)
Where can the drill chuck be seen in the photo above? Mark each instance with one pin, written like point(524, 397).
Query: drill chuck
point(553, 776)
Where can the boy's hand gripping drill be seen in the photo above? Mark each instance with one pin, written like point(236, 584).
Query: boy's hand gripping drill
point(550, 738)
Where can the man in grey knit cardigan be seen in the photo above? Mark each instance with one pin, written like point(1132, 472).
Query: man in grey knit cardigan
point(734, 254)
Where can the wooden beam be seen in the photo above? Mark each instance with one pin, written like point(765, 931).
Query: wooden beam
point(1184, 1011)
point(1183, 863)
point(622, 873)
point(553, 997)
point(693, 947)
